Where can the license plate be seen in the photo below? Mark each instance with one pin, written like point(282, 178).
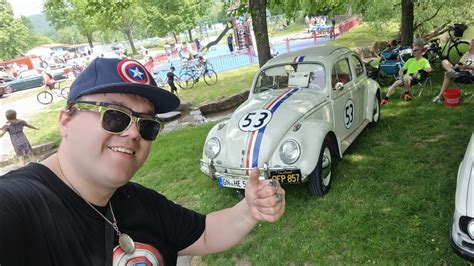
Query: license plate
point(286, 176)
point(231, 182)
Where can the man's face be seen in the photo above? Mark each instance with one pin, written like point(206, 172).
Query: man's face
point(105, 159)
point(418, 50)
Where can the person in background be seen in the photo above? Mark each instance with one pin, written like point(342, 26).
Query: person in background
point(332, 30)
point(20, 143)
point(461, 72)
point(198, 44)
point(171, 78)
point(79, 206)
point(230, 42)
point(412, 76)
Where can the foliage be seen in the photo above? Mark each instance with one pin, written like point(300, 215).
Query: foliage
point(66, 13)
point(14, 36)
point(429, 14)
point(71, 35)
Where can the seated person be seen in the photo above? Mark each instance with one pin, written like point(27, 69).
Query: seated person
point(461, 72)
point(412, 76)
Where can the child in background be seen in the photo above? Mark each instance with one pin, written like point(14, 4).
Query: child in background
point(171, 76)
point(20, 143)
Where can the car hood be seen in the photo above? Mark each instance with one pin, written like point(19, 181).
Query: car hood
point(254, 148)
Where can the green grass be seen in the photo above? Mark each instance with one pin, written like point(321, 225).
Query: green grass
point(291, 29)
point(364, 35)
point(228, 83)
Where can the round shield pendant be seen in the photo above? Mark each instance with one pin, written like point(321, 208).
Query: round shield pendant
point(126, 243)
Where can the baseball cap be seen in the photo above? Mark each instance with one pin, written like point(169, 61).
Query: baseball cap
point(112, 75)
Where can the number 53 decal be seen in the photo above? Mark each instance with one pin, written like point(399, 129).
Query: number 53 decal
point(255, 120)
point(348, 113)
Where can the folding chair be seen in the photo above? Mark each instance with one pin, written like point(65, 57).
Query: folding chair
point(462, 84)
point(424, 83)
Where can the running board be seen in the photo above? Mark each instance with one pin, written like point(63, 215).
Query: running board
point(347, 141)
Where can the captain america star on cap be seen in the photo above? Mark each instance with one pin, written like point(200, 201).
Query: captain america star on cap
point(111, 75)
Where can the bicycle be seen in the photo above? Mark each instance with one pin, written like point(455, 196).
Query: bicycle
point(192, 75)
point(46, 96)
point(454, 47)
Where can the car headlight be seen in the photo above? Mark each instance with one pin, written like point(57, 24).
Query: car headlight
point(212, 148)
point(470, 228)
point(290, 151)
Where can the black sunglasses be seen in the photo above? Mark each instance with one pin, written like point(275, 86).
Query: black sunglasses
point(117, 119)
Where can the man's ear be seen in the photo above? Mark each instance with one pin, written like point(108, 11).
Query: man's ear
point(65, 117)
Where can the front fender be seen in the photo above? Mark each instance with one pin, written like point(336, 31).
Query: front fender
point(310, 136)
point(373, 88)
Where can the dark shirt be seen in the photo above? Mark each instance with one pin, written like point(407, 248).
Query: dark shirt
point(43, 222)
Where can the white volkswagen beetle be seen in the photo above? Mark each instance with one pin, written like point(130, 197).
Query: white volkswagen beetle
point(304, 110)
point(462, 223)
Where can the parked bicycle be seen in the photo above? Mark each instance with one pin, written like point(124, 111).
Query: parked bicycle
point(46, 96)
point(194, 73)
point(453, 49)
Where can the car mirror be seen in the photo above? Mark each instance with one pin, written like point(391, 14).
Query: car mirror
point(339, 86)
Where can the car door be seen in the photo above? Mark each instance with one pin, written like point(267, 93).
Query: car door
point(343, 104)
point(360, 88)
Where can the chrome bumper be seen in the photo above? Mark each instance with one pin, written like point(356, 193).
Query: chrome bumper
point(214, 170)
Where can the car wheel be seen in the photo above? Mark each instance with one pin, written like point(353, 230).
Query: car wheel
point(320, 179)
point(8, 90)
point(376, 111)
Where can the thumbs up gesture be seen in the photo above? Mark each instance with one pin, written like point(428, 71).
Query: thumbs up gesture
point(266, 199)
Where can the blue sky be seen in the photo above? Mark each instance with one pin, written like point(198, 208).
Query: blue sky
point(26, 7)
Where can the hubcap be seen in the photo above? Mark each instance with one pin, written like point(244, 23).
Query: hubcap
point(326, 171)
point(376, 110)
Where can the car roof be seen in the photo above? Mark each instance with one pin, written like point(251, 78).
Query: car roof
point(323, 54)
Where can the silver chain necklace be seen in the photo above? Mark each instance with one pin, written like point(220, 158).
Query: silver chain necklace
point(125, 241)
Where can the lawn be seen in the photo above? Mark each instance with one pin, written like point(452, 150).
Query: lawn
point(392, 194)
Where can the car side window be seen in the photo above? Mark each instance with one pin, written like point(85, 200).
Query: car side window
point(341, 72)
point(358, 65)
point(317, 78)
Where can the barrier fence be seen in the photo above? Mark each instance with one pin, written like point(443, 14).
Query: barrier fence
point(223, 60)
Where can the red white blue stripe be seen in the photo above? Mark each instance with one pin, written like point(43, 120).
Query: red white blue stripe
point(298, 59)
point(255, 140)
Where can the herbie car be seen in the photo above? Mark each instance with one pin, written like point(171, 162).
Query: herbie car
point(304, 109)
point(462, 223)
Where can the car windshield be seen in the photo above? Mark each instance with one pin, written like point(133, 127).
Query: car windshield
point(310, 76)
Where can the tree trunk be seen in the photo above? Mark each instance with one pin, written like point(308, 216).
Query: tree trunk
point(407, 22)
point(128, 32)
point(190, 36)
point(259, 22)
point(89, 40)
point(174, 36)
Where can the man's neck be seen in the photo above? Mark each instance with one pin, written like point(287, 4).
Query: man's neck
point(93, 193)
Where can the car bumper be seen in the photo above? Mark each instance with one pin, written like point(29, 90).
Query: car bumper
point(460, 242)
point(240, 175)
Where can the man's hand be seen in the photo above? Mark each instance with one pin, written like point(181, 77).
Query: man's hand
point(266, 199)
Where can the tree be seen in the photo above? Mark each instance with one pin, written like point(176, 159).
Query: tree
point(406, 25)
point(166, 16)
point(66, 13)
point(429, 16)
point(259, 23)
point(14, 36)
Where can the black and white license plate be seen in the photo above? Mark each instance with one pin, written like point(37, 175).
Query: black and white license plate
point(286, 176)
